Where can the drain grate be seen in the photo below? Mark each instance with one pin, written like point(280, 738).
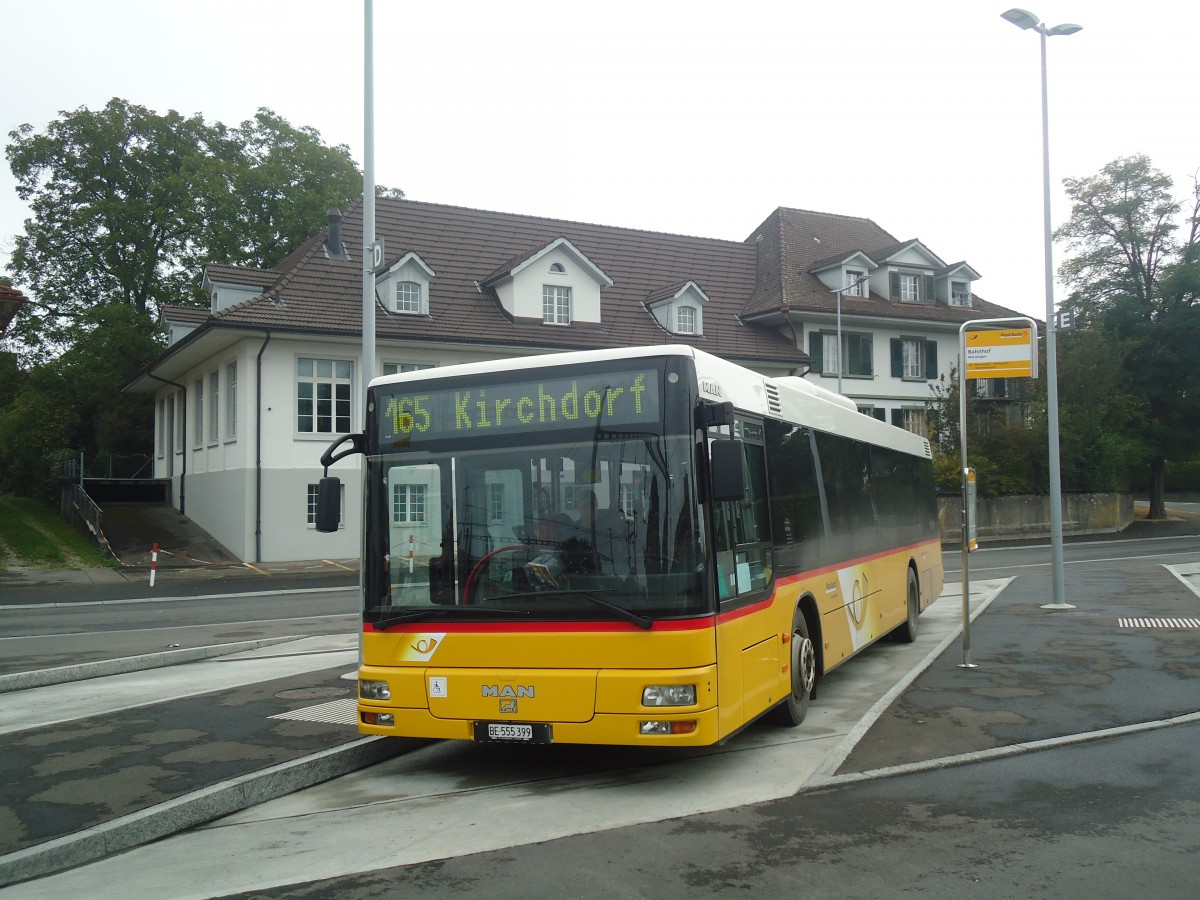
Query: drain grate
point(1158, 623)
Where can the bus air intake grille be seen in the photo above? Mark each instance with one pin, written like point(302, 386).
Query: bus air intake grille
point(773, 405)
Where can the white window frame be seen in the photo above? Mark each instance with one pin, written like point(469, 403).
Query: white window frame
point(313, 492)
point(915, 419)
point(960, 293)
point(214, 407)
point(913, 366)
point(407, 297)
point(910, 287)
point(230, 401)
point(830, 353)
point(198, 414)
point(399, 368)
point(495, 501)
point(852, 289)
point(685, 320)
point(338, 375)
point(416, 504)
point(556, 304)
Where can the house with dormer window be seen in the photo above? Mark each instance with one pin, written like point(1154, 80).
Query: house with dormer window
point(254, 386)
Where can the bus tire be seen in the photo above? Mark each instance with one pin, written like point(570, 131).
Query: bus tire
point(791, 712)
point(906, 631)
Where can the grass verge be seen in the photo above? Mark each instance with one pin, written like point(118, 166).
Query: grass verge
point(34, 533)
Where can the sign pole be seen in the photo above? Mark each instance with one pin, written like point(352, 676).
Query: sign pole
point(994, 353)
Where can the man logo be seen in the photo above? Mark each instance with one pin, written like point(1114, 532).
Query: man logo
point(507, 691)
point(508, 706)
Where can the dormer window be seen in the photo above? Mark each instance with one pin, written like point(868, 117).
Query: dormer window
point(686, 320)
point(854, 286)
point(960, 293)
point(911, 287)
point(408, 297)
point(556, 304)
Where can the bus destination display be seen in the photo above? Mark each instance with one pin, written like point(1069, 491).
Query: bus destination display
point(414, 413)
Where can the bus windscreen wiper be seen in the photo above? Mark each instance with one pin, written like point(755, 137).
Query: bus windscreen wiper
point(413, 613)
point(628, 615)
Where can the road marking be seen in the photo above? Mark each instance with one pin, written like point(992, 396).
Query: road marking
point(1158, 623)
point(335, 712)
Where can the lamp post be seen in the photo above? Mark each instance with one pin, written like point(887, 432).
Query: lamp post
point(1024, 19)
point(838, 291)
point(368, 282)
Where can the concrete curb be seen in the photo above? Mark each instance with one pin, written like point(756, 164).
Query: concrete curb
point(20, 681)
point(196, 808)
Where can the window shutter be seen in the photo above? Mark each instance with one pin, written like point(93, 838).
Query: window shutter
point(898, 418)
point(880, 414)
point(1000, 387)
point(894, 285)
point(931, 365)
point(897, 358)
point(927, 292)
point(816, 350)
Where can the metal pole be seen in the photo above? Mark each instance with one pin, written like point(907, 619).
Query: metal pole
point(839, 339)
point(962, 435)
point(1056, 524)
point(368, 283)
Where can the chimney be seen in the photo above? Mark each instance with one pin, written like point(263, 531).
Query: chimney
point(334, 248)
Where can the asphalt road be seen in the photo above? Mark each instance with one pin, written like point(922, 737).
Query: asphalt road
point(1111, 816)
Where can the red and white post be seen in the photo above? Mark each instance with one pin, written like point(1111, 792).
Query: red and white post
point(153, 563)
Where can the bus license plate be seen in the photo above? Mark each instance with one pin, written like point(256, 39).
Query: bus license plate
point(516, 732)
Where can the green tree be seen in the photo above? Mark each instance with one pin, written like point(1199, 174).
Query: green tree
point(1133, 279)
point(128, 204)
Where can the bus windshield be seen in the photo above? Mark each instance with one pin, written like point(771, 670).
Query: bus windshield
point(534, 517)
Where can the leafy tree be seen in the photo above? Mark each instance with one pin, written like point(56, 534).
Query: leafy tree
point(128, 204)
point(1135, 281)
point(284, 182)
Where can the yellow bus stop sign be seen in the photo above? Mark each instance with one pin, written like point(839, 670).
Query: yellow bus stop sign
point(1001, 353)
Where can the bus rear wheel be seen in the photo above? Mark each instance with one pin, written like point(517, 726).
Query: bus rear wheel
point(906, 631)
point(791, 712)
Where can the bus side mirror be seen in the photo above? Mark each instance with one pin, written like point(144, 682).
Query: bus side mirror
point(329, 504)
point(727, 464)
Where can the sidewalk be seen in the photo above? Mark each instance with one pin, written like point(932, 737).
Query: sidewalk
point(1051, 674)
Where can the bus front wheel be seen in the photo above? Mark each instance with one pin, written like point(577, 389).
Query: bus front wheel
point(791, 712)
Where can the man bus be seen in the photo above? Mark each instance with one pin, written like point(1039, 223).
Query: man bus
point(645, 546)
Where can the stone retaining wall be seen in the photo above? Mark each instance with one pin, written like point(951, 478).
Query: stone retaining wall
point(1028, 515)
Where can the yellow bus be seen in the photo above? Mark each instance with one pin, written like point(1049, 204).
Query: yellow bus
point(645, 546)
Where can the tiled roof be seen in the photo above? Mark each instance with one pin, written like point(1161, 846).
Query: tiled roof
point(188, 315)
point(263, 278)
point(467, 246)
point(796, 241)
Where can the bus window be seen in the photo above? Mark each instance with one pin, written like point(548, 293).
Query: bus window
point(799, 514)
point(741, 528)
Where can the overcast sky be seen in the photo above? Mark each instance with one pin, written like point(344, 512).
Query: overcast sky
point(692, 117)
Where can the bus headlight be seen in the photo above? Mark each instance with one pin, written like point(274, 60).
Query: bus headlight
point(669, 695)
point(374, 690)
point(687, 727)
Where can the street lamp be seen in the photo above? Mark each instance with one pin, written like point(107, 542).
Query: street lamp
point(1023, 18)
point(847, 287)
